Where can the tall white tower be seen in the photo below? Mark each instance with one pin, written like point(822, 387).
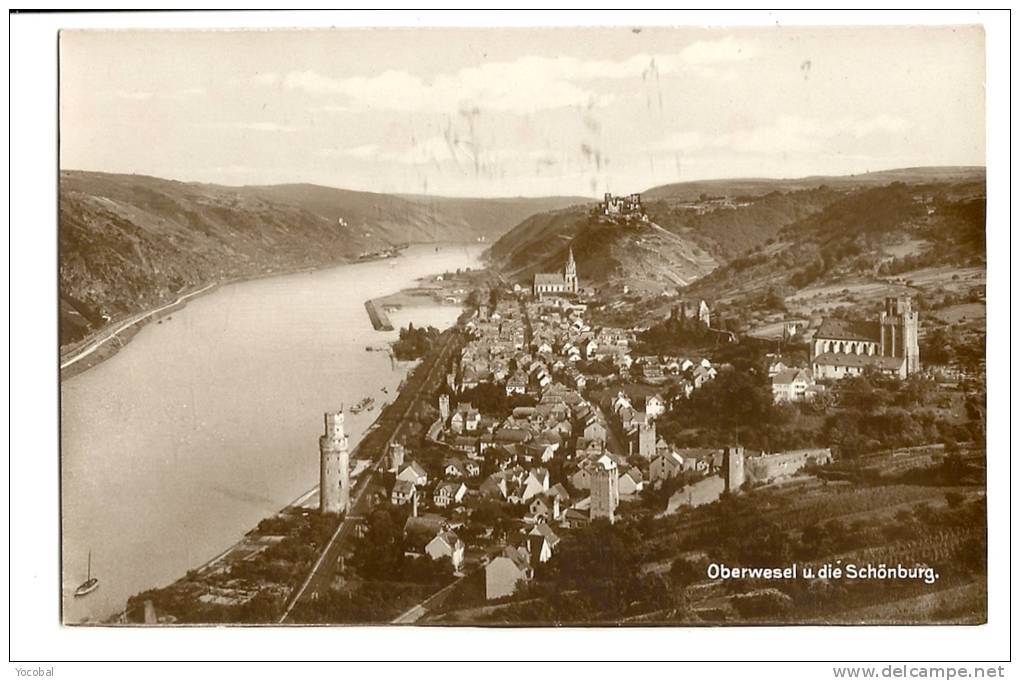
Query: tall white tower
point(570, 272)
point(334, 466)
point(605, 490)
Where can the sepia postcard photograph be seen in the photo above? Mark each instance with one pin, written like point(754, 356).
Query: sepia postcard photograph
point(523, 327)
point(508, 337)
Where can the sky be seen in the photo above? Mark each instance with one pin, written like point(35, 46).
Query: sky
point(519, 112)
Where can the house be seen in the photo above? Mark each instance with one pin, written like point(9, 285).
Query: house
point(464, 443)
point(595, 430)
point(496, 486)
point(403, 493)
point(655, 406)
point(581, 478)
point(517, 384)
point(537, 482)
point(652, 373)
point(665, 466)
point(455, 470)
point(419, 531)
point(414, 474)
point(472, 419)
point(500, 457)
point(573, 519)
point(447, 493)
point(541, 541)
point(504, 572)
point(466, 419)
point(702, 375)
point(511, 436)
point(791, 385)
point(446, 545)
point(631, 481)
point(560, 493)
point(543, 508)
point(515, 491)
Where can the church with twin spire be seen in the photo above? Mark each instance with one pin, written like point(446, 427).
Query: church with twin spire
point(555, 283)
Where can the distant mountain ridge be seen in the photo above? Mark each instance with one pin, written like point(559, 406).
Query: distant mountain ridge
point(735, 187)
point(129, 243)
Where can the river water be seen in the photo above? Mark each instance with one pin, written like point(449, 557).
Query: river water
point(209, 421)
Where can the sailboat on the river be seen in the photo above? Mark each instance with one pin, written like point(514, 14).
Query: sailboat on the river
point(89, 585)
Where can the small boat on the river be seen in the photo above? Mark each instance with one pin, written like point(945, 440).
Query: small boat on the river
point(367, 403)
point(89, 585)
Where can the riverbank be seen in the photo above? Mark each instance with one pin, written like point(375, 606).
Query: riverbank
point(208, 423)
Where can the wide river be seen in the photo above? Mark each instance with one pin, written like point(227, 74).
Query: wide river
point(209, 421)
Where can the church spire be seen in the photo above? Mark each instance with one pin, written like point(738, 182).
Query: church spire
point(570, 272)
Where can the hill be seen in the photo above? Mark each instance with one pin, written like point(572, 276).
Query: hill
point(491, 218)
point(695, 227)
point(385, 219)
point(643, 255)
point(129, 243)
point(875, 232)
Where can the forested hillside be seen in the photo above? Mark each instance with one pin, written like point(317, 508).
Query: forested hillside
point(129, 243)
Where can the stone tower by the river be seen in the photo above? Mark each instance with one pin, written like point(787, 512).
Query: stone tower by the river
point(334, 466)
point(444, 407)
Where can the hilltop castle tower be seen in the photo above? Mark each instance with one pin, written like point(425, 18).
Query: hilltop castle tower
point(733, 469)
point(605, 489)
point(898, 332)
point(334, 466)
point(570, 272)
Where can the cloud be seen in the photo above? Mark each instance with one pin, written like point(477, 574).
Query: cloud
point(787, 134)
point(524, 85)
point(723, 51)
point(438, 150)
